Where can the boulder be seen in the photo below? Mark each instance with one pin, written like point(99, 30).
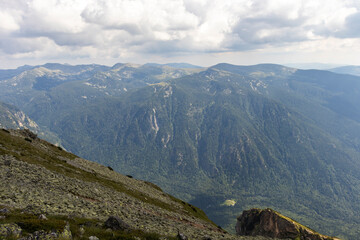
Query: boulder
point(4, 210)
point(28, 134)
point(115, 223)
point(42, 217)
point(181, 236)
point(81, 231)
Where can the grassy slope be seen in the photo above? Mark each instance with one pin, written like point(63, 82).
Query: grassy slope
point(49, 159)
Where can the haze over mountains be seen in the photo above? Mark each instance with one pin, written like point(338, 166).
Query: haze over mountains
point(262, 136)
point(353, 70)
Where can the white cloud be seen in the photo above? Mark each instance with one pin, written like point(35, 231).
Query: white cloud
point(8, 22)
point(128, 28)
point(53, 16)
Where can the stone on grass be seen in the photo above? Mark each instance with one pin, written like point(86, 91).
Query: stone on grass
point(181, 236)
point(4, 210)
point(115, 223)
point(42, 217)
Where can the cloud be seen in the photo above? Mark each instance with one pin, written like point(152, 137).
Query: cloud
point(283, 22)
point(163, 27)
point(351, 27)
point(8, 22)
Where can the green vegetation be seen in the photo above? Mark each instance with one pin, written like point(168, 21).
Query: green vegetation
point(37, 177)
point(23, 150)
point(81, 228)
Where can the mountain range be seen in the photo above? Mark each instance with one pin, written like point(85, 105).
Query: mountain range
point(48, 193)
point(225, 138)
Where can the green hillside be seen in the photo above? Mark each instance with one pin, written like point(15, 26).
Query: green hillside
point(40, 179)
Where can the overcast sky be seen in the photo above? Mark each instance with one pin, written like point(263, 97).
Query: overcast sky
point(202, 32)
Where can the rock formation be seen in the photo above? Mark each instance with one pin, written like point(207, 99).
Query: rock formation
point(269, 223)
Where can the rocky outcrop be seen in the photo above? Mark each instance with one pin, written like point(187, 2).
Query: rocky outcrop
point(269, 223)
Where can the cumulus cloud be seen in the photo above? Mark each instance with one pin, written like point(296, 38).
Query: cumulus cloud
point(351, 27)
point(163, 27)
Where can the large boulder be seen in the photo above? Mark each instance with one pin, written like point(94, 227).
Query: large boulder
point(115, 223)
point(269, 223)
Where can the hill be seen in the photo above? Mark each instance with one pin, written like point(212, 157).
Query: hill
point(353, 70)
point(40, 178)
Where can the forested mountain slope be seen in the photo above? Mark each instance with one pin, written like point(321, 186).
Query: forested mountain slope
point(259, 136)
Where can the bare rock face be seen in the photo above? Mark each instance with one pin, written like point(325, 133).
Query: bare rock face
point(269, 223)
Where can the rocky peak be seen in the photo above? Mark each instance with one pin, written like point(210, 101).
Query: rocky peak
point(269, 223)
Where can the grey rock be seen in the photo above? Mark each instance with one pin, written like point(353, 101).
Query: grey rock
point(81, 231)
point(4, 210)
point(93, 238)
point(115, 223)
point(181, 236)
point(42, 217)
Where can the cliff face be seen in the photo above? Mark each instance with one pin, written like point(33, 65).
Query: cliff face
point(12, 117)
point(269, 223)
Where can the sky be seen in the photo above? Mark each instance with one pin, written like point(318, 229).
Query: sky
point(201, 32)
